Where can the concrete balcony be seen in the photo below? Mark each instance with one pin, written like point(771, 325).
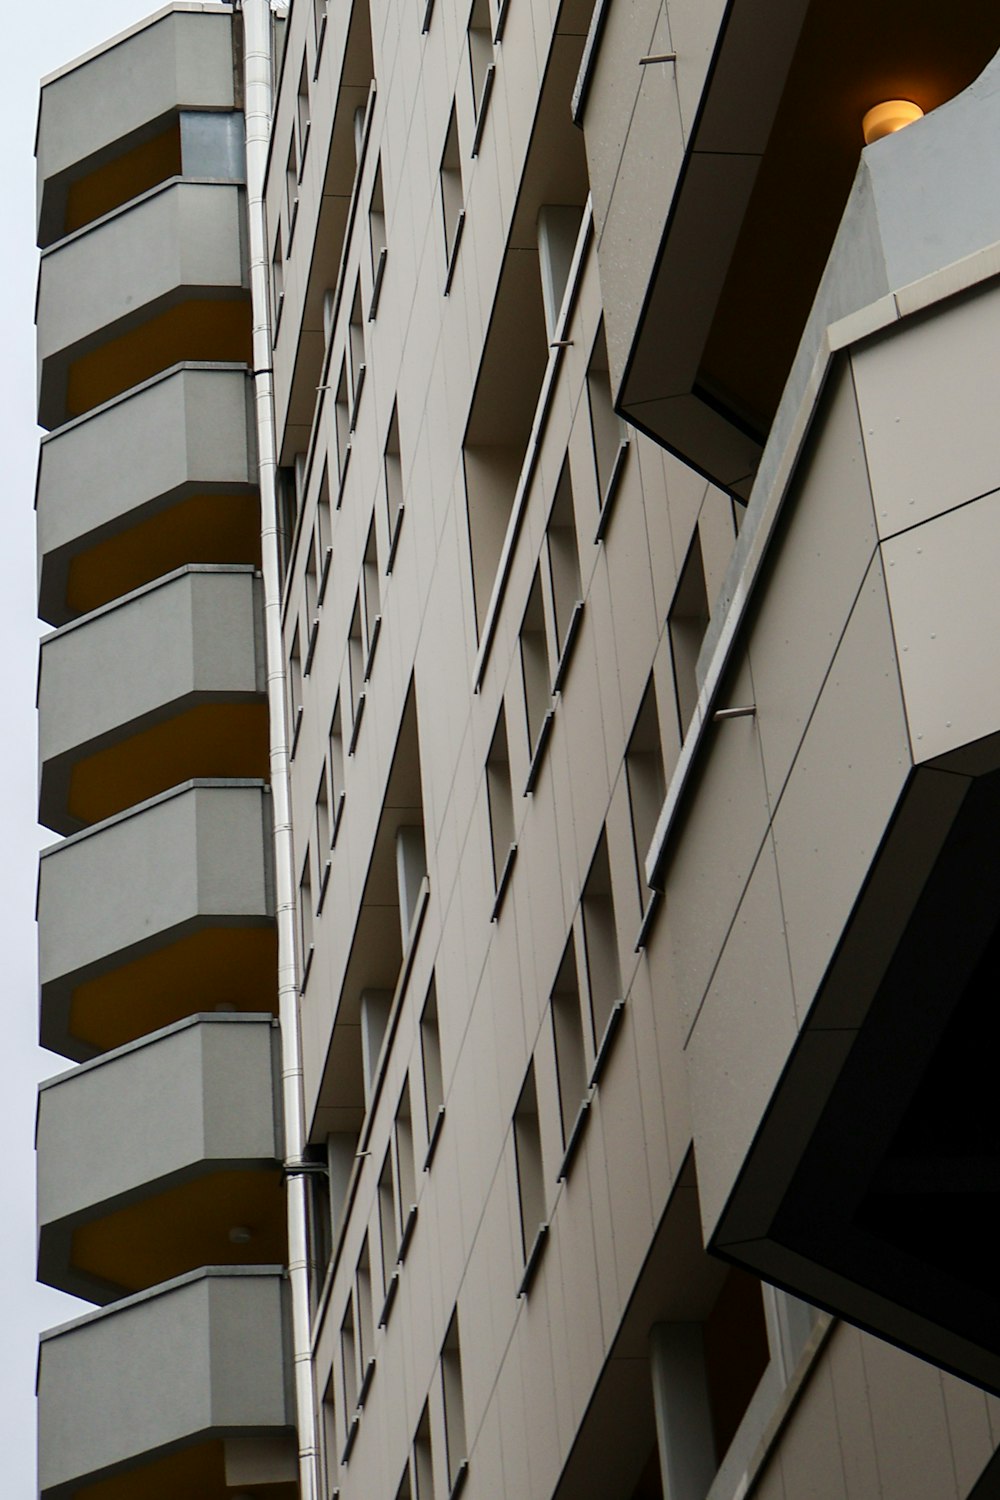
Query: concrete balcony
point(187, 494)
point(156, 914)
point(178, 1391)
point(185, 698)
point(155, 283)
point(104, 123)
point(161, 1157)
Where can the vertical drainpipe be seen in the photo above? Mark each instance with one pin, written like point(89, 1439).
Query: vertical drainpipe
point(257, 50)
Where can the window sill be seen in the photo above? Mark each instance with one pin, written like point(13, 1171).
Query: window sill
point(435, 1136)
point(359, 713)
point(648, 919)
point(575, 1137)
point(538, 755)
point(359, 386)
point(611, 490)
point(343, 475)
point(320, 39)
point(377, 284)
point(503, 882)
point(311, 647)
point(324, 881)
point(453, 257)
point(407, 1235)
point(534, 1259)
point(461, 1475)
point(566, 655)
point(307, 964)
point(341, 799)
point(484, 105)
point(611, 1030)
point(394, 539)
point(376, 632)
point(296, 727)
point(324, 576)
point(366, 1383)
point(390, 1297)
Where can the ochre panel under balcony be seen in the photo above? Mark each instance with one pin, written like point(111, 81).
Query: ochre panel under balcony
point(125, 177)
point(201, 329)
point(214, 739)
point(162, 1157)
point(199, 1471)
point(185, 698)
point(160, 280)
point(203, 529)
point(186, 1227)
point(155, 914)
point(186, 495)
point(226, 967)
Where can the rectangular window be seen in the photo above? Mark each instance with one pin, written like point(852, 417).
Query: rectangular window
point(567, 1031)
point(406, 1176)
point(356, 332)
point(605, 426)
point(388, 1218)
point(535, 673)
point(687, 621)
point(365, 1312)
point(302, 114)
point(452, 189)
point(306, 913)
point(376, 220)
point(349, 1360)
point(423, 1458)
point(430, 1050)
point(563, 557)
point(480, 42)
point(601, 940)
point(371, 597)
point(528, 1156)
point(500, 799)
point(647, 784)
point(291, 187)
point(454, 1401)
point(342, 415)
point(393, 484)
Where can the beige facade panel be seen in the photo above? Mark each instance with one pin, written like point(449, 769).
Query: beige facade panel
point(187, 493)
point(159, 912)
point(159, 281)
point(119, 99)
point(160, 1157)
point(153, 1389)
point(186, 698)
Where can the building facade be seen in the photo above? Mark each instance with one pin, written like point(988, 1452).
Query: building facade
point(518, 518)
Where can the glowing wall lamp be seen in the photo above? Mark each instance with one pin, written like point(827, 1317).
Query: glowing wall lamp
point(883, 119)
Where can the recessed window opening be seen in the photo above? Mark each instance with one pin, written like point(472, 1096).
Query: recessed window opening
point(329, 1426)
point(320, 1234)
point(393, 477)
point(371, 590)
point(336, 766)
point(430, 1052)
point(342, 414)
point(291, 186)
point(454, 1400)
point(356, 655)
point(322, 820)
point(452, 188)
point(736, 1354)
point(411, 871)
point(365, 1306)
point(500, 799)
point(558, 227)
point(480, 43)
point(601, 941)
point(349, 1360)
point(376, 220)
point(563, 554)
point(295, 680)
point(357, 350)
point(423, 1458)
point(306, 912)
point(688, 621)
point(535, 672)
point(605, 426)
point(567, 1031)
point(302, 113)
point(528, 1157)
point(647, 783)
point(501, 417)
point(406, 1174)
point(388, 1218)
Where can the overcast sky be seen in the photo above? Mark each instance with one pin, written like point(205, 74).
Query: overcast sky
point(40, 36)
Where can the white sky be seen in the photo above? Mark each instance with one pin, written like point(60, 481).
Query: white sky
point(39, 36)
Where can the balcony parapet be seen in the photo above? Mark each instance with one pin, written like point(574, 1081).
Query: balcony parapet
point(186, 697)
point(187, 494)
point(170, 1391)
point(161, 1157)
point(157, 913)
point(115, 101)
point(160, 280)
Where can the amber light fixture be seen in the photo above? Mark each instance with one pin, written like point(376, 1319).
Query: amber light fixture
point(884, 119)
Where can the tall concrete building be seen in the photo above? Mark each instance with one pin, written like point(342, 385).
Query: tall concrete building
point(519, 518)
